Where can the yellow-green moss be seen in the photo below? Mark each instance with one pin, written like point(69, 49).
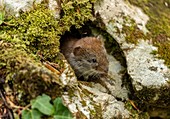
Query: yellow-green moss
point(76, 12)
point(28, 77)
point(161, 95)
point(11, 57)
point(38, 30)
point(158, 25)
point(136, 114)
point(133, 33)
point(131, 30)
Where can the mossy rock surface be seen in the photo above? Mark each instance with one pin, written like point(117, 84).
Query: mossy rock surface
point(33, 38)
point(158, 24)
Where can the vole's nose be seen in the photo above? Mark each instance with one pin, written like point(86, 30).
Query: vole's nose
point(106, 69)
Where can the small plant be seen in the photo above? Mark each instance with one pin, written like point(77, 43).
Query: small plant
point(42, 107)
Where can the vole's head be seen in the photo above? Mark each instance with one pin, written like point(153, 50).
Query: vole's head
point(90, 59)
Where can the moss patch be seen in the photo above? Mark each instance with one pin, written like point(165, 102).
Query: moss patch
point(158, 25)
point(152, 97)
point(38, 30)
point(32, 32)
point(76, 13)
point(135, 114)
point(25, 76)
point(133, 33)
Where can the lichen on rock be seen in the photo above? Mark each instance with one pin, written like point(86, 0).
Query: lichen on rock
point(158, 25)
point(140, 33)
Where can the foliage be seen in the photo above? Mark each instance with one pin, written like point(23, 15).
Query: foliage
point(42, 107)
point(42, 104)
point(32, 114)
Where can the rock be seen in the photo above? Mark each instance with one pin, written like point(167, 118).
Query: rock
point(14, 7)
point(84, 99)
point(149, 75)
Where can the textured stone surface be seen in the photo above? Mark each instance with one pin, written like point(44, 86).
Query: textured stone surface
point(145, 68)
point(149, 75)
point(14, 7)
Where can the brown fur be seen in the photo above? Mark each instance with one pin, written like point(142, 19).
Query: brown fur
point(87, 56)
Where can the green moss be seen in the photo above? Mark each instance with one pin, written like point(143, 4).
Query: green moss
point(133, 33)
point(35, 30)
point(76, 12)
point(10, 58)
point(154, 52)
point(27, 76)
point(154, 97)
point(38, 30)
point(97, 112)
point(158, 25)
point(136, 114)
point(32, 32)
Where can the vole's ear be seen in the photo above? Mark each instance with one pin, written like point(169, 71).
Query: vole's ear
point(98, 37)
point(78, 50)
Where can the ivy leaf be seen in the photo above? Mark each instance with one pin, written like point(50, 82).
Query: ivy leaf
point(26, 114)
point(31, 114)
point(42, 103)
point(61, 117)
point(61, 110)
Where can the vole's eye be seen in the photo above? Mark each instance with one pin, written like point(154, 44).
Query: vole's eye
point(94, 60)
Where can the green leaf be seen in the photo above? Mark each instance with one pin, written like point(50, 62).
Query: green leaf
point(26, 114)
point(61, 109)
point(31, 114)
point(61, 117)
point(42, 103)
